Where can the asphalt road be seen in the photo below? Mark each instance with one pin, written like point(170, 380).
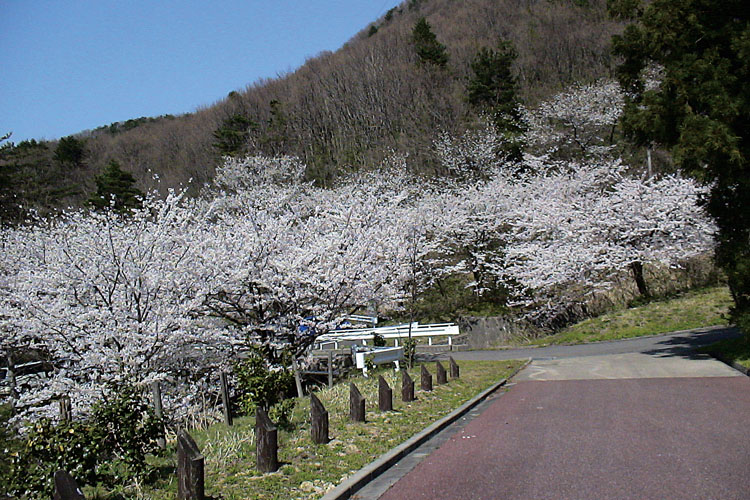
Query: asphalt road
point(656, 438)
point(635, 419)
point(679, 343)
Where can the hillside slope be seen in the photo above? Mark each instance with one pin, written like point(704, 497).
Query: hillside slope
point(352, 107)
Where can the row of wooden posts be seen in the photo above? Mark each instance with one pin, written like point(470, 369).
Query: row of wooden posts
point(265, 433)
point(190, 461)
point(190, 465)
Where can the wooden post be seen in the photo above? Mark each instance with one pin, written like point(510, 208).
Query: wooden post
point(454, 367)
point(426, 379)
point(66, 487)
point(225, 398)
point(330, 368)
point(66, 409)
point(407, 387)
point(266, 442)
point(189, 468)
point(158, 410)
point(385, 395)
point(319, 420)
point(356, 404)
point(442, 376)
point(297, 380)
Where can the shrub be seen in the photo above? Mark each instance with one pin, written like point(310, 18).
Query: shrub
point(109, 446)
point(128, 428)
point(410, 351)
point(378, 340)
point(261, 385)
point(71, 446)
point(281, 414)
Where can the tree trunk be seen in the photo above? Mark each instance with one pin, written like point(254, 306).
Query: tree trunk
point(12, 382)
point(640, 281)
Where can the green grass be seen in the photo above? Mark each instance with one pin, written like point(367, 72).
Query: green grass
point(734, 350)
point(695, 309)
point(308, 469)
point(9, 442)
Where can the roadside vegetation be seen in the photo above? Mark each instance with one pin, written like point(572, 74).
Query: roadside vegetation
point(309, 470)
point(732, 351)
point(694, 309)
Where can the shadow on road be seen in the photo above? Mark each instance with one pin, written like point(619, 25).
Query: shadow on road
point(685, 345)
point(672, 344)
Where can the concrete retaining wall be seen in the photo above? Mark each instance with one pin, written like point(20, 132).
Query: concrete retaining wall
point(491, 331)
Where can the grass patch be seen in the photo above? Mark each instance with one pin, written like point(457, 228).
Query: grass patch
point(732, 350)
point(9, 443)
point(695, 309)
point(309, 470)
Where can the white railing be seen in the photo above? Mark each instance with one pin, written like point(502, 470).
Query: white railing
point(378, 356)
point(361, 318)
point(396, 332)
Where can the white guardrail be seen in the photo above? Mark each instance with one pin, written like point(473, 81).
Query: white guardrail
point(396, 332)
point(378, 356)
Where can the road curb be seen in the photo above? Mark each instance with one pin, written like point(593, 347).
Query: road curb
point(355, 482)
point(736, 366)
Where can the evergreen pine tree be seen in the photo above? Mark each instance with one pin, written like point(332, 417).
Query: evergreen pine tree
point(429, 50)
point(699, 107)
point(30, 178)
point(232, 136)
point(70, 152)
point(493, 89)
point(8, 204)
point(275, 139)
point(116, 188)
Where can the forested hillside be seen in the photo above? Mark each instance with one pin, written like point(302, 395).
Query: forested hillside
point(339, 111)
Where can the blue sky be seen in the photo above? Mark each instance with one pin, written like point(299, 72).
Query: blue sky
point(68, 66)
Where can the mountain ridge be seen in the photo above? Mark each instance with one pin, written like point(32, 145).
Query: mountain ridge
point(351, 108)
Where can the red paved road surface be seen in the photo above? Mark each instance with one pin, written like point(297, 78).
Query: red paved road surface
point(597, 439)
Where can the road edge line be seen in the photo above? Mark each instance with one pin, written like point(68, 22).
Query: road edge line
point(356, 481)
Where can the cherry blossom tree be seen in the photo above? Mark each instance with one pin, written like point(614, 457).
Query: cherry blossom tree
point(654, 220)
point(578, 122)
point(171, 291)
point(107, 296)
point(15, 340)
point(249, 172)
point(475, 155)
point(577, 228)
point(474, 230)
point(288, 265)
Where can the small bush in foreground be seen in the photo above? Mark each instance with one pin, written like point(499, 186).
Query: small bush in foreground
point(110, 446)
point(264, 386)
